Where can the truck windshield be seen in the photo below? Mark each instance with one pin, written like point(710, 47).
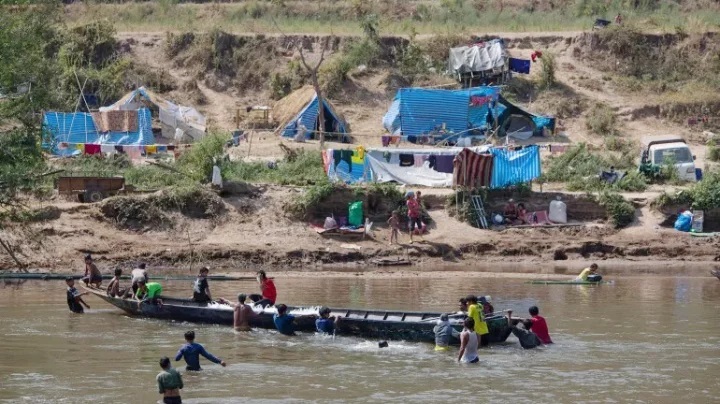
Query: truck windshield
point(679, 155)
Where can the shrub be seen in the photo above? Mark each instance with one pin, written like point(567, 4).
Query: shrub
point(620, 211)
point(333, 74)
point(547, 71)
point(198, 162)
point(713, 152)
point(280, 86)
point(305, 169)
point(601, 120)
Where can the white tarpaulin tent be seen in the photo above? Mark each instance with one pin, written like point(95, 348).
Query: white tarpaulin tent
point(385, 165)
point(171, 116)
point(490, 55)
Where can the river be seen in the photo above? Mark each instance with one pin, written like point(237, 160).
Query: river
point(638, 340)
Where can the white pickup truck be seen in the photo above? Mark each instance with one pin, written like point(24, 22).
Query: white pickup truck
point(658, 150)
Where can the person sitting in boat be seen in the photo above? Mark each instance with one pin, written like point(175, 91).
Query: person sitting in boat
point(468, 343)
point(242, 312)
point(589, 274)
point(284, 322)
point(527, 338)
point(92, 273)
point(138, 273)
point(476, 313)
point(169, 382)
point(148, 291)
point(510, 213)
point(267, 289)
point(191, 352)
point(488, 308)
point(326, 324)
point(74, 298)
point(443, 332)
point(201, 289)
point(113, 288)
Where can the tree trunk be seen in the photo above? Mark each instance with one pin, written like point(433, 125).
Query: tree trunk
point(321, 112)
point(10, 252)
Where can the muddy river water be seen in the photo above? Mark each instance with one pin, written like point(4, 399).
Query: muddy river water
point(637, 340)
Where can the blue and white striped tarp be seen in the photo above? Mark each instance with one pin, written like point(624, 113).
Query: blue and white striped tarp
point(79, 127)
point(514, 167)
point(308, 116)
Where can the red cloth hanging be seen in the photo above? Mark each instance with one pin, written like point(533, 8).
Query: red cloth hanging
point(92, 149)
point(472, 169)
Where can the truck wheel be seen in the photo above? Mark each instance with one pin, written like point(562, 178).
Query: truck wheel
point(93, 196)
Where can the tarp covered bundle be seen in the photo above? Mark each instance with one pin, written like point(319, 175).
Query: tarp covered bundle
point(480, 57)
point(171, 115)
point(80, 128)
point(512, 167)
point(442, 113)
point(299, 112)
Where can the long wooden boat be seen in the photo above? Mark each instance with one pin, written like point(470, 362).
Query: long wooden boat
point(715, 273)
point(566, 282)
point(372, 324)
point(53, 276)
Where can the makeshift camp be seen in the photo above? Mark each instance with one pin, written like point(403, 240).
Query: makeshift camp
point(481, 63)
point(180, 123)
point(298, 113)
point(521, 124)
point(67, 134)
point(511, 167)
point(430, 116)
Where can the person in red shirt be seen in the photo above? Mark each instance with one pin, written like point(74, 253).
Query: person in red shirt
point(267, 288)
point(539, 325)
point(413, 208)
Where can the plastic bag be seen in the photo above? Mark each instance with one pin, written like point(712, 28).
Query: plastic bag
point(355, 214)
point(684, 221)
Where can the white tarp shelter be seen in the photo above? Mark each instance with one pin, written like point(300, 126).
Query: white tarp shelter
point(481, 57)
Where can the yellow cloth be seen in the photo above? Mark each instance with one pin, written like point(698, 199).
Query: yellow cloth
point(150, 149)
point(476, 314)
point(80, 146)
point(584, 274)
point(442, 348)
point(360, 151)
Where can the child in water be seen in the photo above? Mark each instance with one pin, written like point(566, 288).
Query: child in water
point(394, 223)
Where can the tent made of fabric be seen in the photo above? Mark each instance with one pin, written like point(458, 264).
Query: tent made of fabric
point(300, 109)
point(170, 115)
point(421, 111)
point(521, 124)
point(512, 167)
point(480, 57)
point(79, 128)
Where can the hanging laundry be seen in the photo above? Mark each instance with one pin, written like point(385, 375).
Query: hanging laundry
point(343, 155)
point(171, 147)
point(387, 156)
point(472, 169)
point(535, 55)
point(91, 149)
point(133, 152)
point(443, 164)
point(412, 139)
point(557, 148)
point(150, 149)
point(394, 139)
point(119, 149)
point(385, 141)
point(520, 66)
point(80, 146)
point(420, 159)
point(360, 152)
point(162, 148)
point(107, 149)
point(407, 160)
point(62, 146)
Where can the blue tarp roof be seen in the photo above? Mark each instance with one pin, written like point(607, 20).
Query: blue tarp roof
point(308, 117)
point(420, 111)
point(79, 127)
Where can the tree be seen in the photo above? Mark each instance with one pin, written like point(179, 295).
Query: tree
point(313, 71)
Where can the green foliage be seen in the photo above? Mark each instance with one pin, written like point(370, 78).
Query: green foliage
point(463, 212)
point(333, 73)
point(601, 120)
point(305, 169)
point(620, 211)
point(705, 194)
point(413, 61)
point(20, 162)
point(312, 196)
point(713, 152)
point(547, 71)
point(198, 161)
point(280, 86)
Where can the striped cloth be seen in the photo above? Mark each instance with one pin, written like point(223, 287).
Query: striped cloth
point(512, 167)
point(471, 169)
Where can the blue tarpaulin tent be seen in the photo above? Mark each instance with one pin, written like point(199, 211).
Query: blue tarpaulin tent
point(511, 167)
point(421, 111)
point(334, 124)
point(79, 128)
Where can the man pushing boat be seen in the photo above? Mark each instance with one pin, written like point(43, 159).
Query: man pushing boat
point(589, 274)
point(242, 312)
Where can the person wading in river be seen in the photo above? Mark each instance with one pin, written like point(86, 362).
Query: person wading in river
point(74, 298)
point(326, 324)
point(591, 270)
point(201, 289)
point(191, 351)
point(476, 313)
point(242, 313)
point(527, 338)
point(443, 332)
point(468, 343)
point(169, 382)
point(267, 288)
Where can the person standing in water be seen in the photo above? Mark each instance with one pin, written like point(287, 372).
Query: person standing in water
point(443, 332)
point(326, 324)
point(191, 352)
point(169, 382)
point(468, 343)
point(527, 338)
point(476, 313)
point(201, 289)
point(74, 298)
point(267, 289)
point(242, 313)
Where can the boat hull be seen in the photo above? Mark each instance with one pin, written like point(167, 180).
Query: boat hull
point(371, 324)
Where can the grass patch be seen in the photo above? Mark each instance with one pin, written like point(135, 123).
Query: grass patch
point(620, 211)
point(305, 169)
point(704, 195)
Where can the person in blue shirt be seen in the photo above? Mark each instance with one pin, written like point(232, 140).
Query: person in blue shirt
point(284, 322)
point(192, 351)
point(326, 324)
